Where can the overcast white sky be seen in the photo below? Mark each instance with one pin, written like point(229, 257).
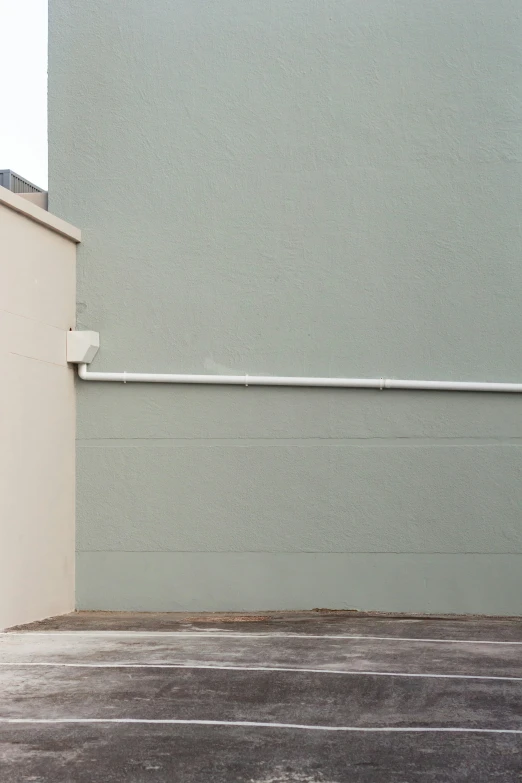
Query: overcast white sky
point(23, 88)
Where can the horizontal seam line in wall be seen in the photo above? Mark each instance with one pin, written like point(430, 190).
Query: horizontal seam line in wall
point(327, 441)
point(63, 366)
point(36, 320)
point(285, 552)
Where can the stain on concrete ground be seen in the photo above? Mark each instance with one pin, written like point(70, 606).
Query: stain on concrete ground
point(320, 621)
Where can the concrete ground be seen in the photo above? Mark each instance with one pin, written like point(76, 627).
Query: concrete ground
point(109, 697)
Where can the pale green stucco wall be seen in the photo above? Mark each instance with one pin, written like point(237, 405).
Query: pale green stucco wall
point(295, 187)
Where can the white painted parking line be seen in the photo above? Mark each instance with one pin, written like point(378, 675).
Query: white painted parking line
point(262, 725)
point(125, 665)
point(237, 635)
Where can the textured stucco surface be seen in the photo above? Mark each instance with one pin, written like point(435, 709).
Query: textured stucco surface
point(319, 188)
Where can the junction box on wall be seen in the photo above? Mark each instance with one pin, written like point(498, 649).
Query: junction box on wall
point(82, 347)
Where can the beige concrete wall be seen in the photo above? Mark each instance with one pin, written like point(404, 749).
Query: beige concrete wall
point(37, 424)
point(40, 199)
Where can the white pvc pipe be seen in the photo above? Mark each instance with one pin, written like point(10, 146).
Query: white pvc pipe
point(275, 380)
